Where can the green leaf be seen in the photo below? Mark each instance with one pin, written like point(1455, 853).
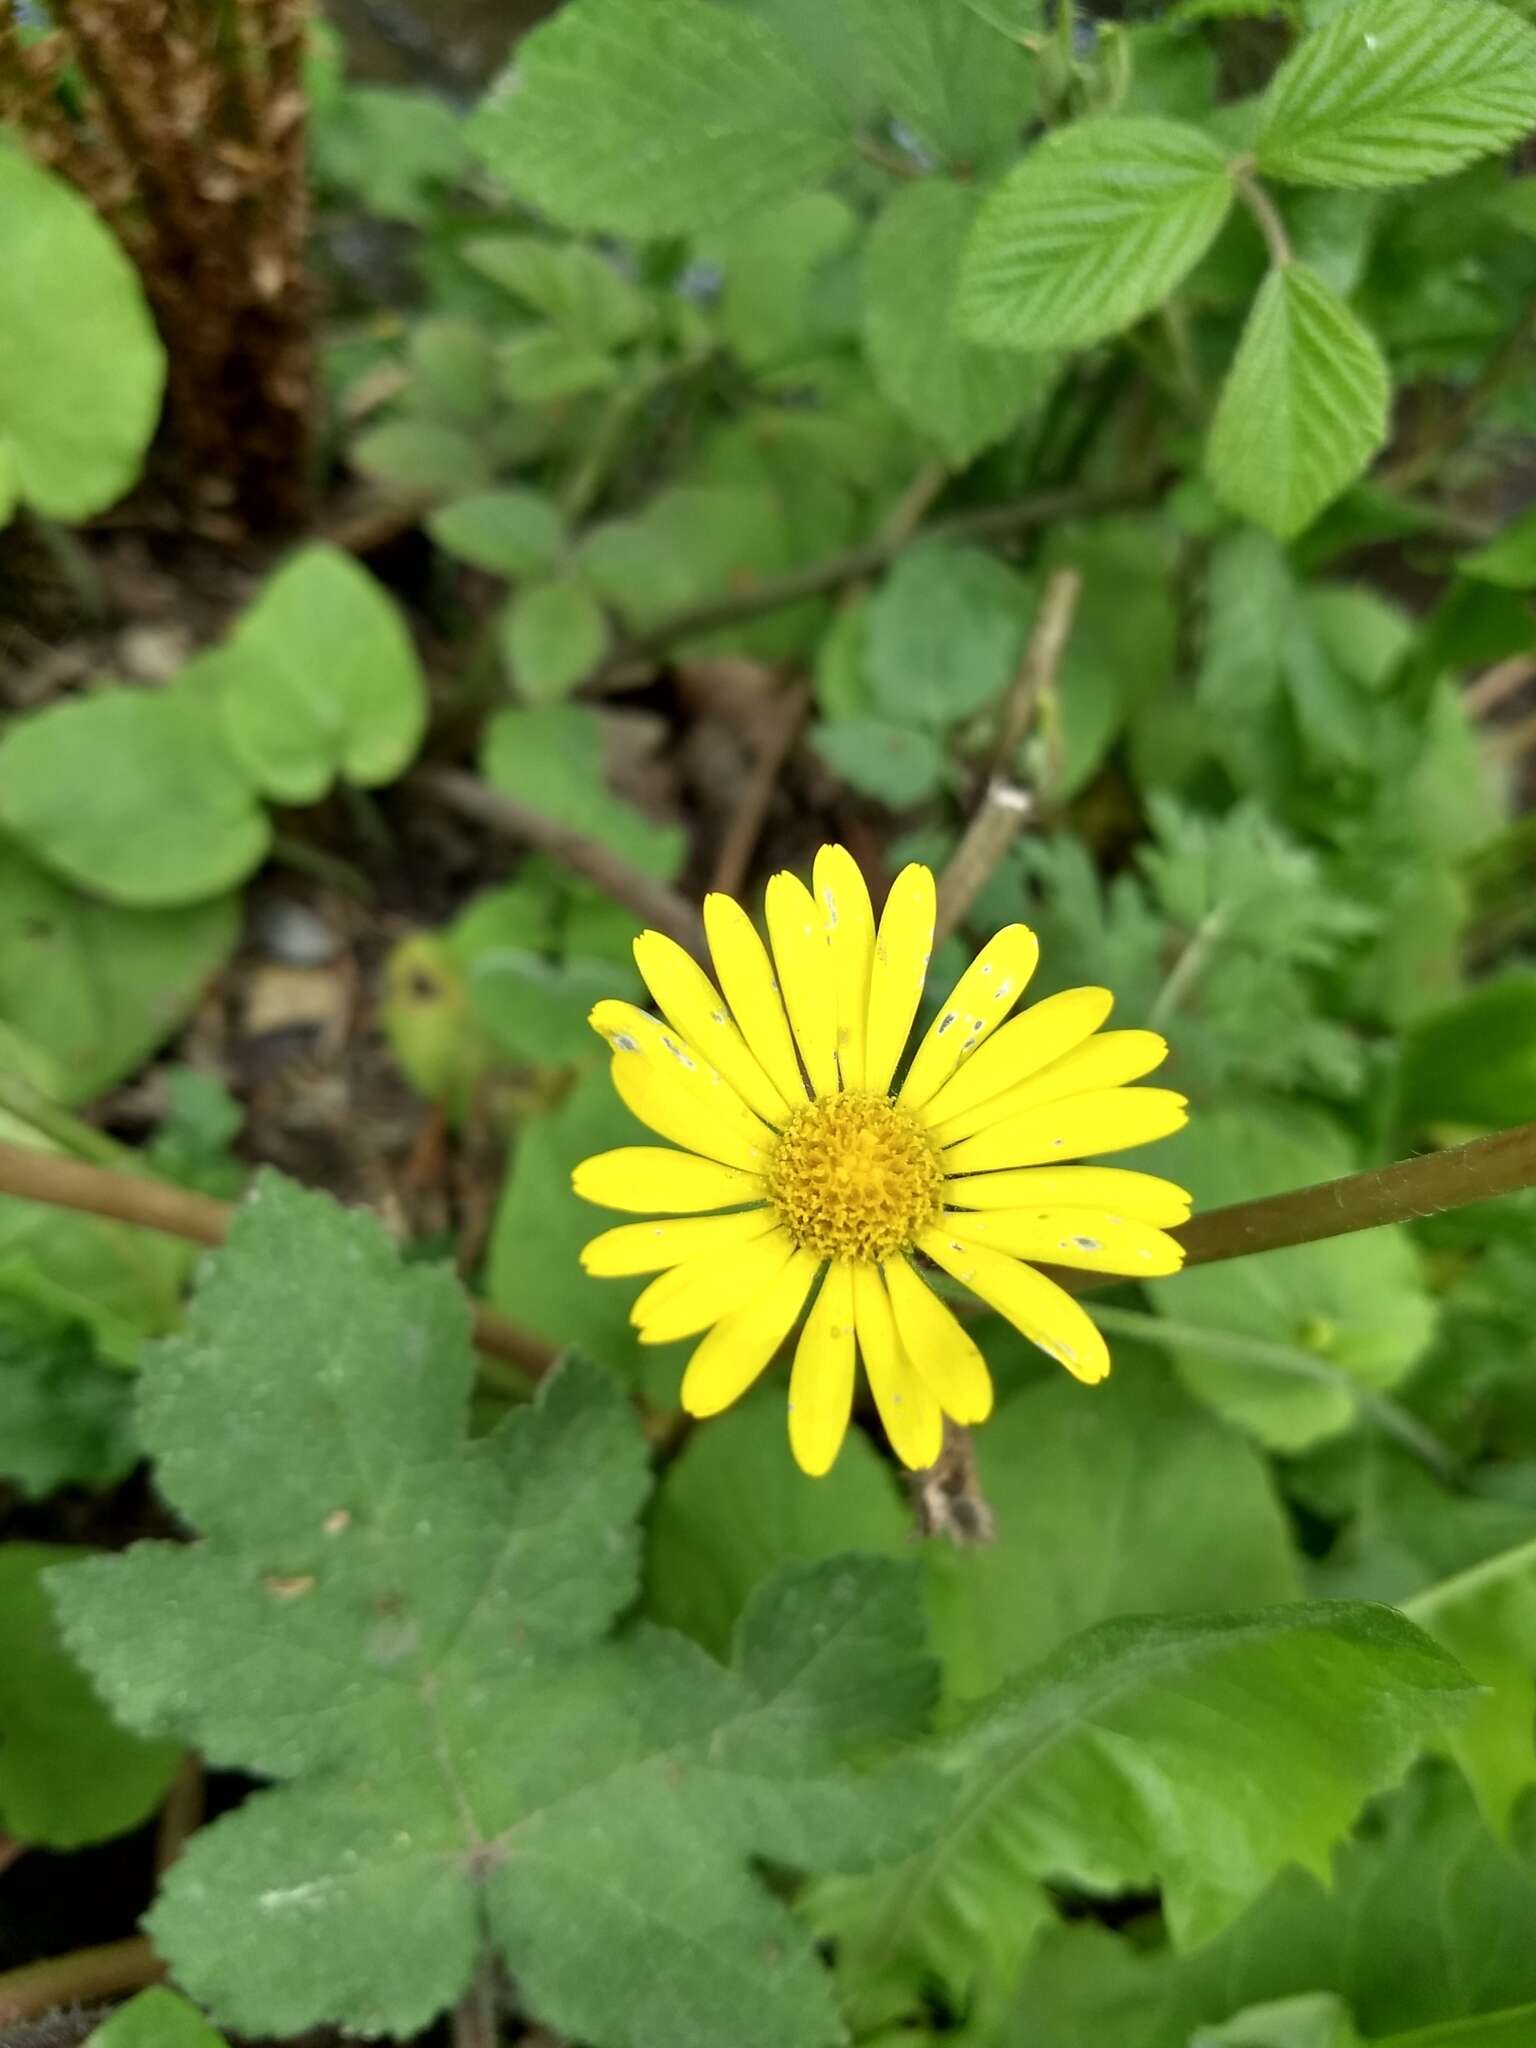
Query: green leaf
point(1314, 2020)
point(81, 367)
point(1304, 406)
point(157, 2018)
point(892, 763)
point(1203, 1755)
point(134, 794)
point(705, 1556)
point(511, 533)
point(1099, 224)
point(453, 366)
point(1358, 1304)
point(553, 635)
point(773, 260)
point(423, 455)
point(412, 1631)
point(398, 151)
point(544, 365)
point(965, 397)
point(68, 1775)
point(1393, 91)
point(1104, 1507)
point(64, 1415)
point(658, 123)
point(1427, 1921)
point(1509, 559)
point(319, 679)
point(551, 756)
point(688, 545)
point(945, 635)
point(579, 290)
point(95, 986)
point(945, 77)
point(1473, 1063)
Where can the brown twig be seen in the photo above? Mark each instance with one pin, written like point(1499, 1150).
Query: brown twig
point(1036, 676)
point(1512, 741)
point(1496, 685)
point(155, 1205)
point(474, 2018)
point(181, 1813)
point(778, 731)
point(88, 1973)
point(651, 901)
point(947, 1497)
point(1001, 816)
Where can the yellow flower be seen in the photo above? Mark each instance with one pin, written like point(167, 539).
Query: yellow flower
point(811, 1163)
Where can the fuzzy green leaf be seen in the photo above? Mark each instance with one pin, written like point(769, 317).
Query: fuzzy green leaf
point(658, 120)
point(1304, 407)
point(964, 396)
point(81, 367)
point(320, 679)
point(1393, 91)
point(1098, 225)
point(412, 1631)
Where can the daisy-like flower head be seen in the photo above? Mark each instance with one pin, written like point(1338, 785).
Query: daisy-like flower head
point(805, 1166)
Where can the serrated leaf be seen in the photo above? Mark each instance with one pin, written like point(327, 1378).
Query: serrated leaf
point(964, 396)
point(1393, 91)
point(657, 122)
point(553, 635)
point(134, 795)
point(1099, 224)
point(508, 532)
point(411, 1629)
point(81, 367)
point(892, 763)
point(157, 2018)
point(1304, 407)
point(551, 755)
point(1203, 1755)
point(64, 1415)
point(319, 679)
point(95, 986)
point(68, 1775)
point(945, 635)
point(940, 71)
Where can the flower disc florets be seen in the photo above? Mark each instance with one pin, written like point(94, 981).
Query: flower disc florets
point(855, 1176)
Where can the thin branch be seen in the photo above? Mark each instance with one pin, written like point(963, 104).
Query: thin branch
point(179, 1212)
point(87, 1974)
point(651, 901)
point(778, 730)
point(1265, 212)
point(1037, 672)
point(1001, 816)
point(182, 1812)
point(1496, 685)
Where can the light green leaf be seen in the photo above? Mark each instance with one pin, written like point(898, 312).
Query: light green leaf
point(772, 261)
point(68, 1775)
point(553, 635)
point(412, 1631)
point(945, 635)
point(1203, 1755)
point(578, 290)
point(964, 396)
point(398, 151)
point(508, 532)
point(1393, 91)
point(689, 544)
point(157, 2018)
point(658, 122)
point(1474, 1062)
point(944, 75)
point(319, 679)
point(81, 367)
point(453, 364)
point(423, 455)
point(1508, 560)
point(1098, 225)
point(894, 764)
point(1304, 407)
point(705, 1556)
point(64, 1414)
point(134, 794)
point(1359, 1304)
point(1315, 2019)
point(544, 364)
point(551, 756)
point(1104, 1507)
point(94, 986)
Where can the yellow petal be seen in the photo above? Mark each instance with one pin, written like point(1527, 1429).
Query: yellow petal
point(1024, 1045)
point(689, 1000)
point(1142, 1197)
point(910, 1414)
point(977, 1004)
point(798, 934)
point(1046, 1313)
point(945, 1355)
point(646, 1178)
point(1093, 1239)
point(746, 975)
point(821, 1381)
point(1109, 1120)
point(850, 922)
point(674, 1089)
point(902, 947)
point(652, 1247)
point(1108, 1060)
point(741, 1344)
point(699, 1292)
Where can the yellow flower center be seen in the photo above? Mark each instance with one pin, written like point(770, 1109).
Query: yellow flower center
point(855, 1177)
